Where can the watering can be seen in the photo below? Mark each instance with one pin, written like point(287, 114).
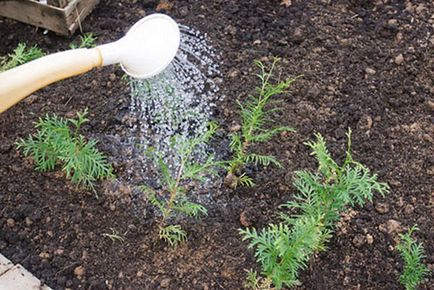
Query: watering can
point(146, 50)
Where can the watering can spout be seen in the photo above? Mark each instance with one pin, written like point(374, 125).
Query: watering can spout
point(146, 50)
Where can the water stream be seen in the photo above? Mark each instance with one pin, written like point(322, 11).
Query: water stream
point(179, 101)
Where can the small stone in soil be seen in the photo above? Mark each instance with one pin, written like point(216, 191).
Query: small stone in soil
point(79, 271)
point(370, 71)
point(420, 8)
point(235, 128)
point(393, 23)
point(408, 210)
point(29, 222)
point(400, 202)
point(399, 59)
point(244, 219)
point(165, 283)
point(344, 41)
point(365, 122)
point(10, 222)
point(399, 36)
point(382, 207)
point(30, 99)
point(232, 30)
point(369, 239)
point(233, 73)
point(358, 240)
point(298, 35)
point(44, 255)
point(142, 13)
point(59, 252)
point(390, 227)
point(231, 180)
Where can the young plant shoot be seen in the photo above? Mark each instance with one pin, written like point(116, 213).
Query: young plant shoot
point(172, 199)
point(57, 141)
point(412, 253)
point(254, 282)
point(87, 40)
point(20, 56)
point(285, 248)
point(256, 126)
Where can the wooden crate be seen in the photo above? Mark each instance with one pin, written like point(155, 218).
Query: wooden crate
point(61, 16)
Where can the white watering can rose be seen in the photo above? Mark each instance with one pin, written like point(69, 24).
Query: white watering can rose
point(146, 50)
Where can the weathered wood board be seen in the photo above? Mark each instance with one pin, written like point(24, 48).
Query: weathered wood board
point(63, 18)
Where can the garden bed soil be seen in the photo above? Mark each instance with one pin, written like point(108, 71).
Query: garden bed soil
point(367, 65)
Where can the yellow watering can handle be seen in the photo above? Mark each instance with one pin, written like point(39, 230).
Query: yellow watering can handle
point(21, 81)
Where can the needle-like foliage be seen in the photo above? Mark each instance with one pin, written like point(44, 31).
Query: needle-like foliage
point(412, 253)
point(330, 190)
point(285, 249)
point(57, 141)
point(20, 55)
point(87, 40)
point(172, 234)
point(172, 199)
point(255, 282)
point(255, 127)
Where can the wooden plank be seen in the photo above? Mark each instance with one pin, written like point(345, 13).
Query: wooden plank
point(58, 3)
point(36, 14)
point(63, 21)
point(18, 278)
point(5, 264)
point(77, 11)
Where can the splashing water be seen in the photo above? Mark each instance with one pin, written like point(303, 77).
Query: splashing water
point(179, 101)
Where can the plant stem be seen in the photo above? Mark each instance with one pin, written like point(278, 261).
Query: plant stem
point(174, 190)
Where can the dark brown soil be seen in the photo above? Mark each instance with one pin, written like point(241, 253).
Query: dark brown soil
point(347, 52)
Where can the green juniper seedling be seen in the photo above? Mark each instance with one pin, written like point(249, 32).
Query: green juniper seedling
point(172, 199)
point(87, 40)
point(412, 253)
point(285, 248)
point(57, 141)
point(20, 55)
point(254, 128)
